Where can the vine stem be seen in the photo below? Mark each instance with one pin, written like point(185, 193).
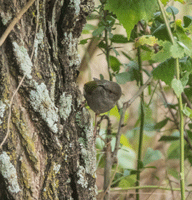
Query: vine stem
point(182, 178)
point(142, 117)
point(108, 154)
point(15, 20)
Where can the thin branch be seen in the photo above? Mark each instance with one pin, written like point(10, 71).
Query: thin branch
point(15, 20)
point(108, 162)
point(110, 181)
point(142, 120)
point(171, 187)
point(144, 187)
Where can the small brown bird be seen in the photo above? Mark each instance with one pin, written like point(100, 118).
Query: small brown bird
point(101, 95)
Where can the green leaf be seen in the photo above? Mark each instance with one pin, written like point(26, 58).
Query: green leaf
point(188, 153)
point(164, 53)
point(181, 1)
point(110, 20)
point(177, 86)
point(127, 56)
point(188, 92)
point(174, 173)
point(169, 50)
point(116, 52)
point(164, 2)
point(151, 155)
point(124, 141)
point(172, 9)
point(187, 20)
point(168, 138)
point(187, 111)
point(165, 71)
point(126, 158)
point(146, 55)
point(124, 77)
point(87, 28)
point(146, 39)
point(102, 45)
point(119, 39)
point(115, 112)
point(190, 125)
point(98, 31)
point(186, 64)
point(161, 124)
point(160, 31)
point(174, 150)
point(130, 13)
point(177, 51)
point(84, 41)
point(127, 182)
point(189, 133)
point(185, 79)
point(115, 63)
point(185, 40)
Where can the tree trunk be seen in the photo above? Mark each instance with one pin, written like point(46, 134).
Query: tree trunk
point(50, 151)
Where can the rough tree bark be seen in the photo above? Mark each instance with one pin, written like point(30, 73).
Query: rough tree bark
point(50, 151)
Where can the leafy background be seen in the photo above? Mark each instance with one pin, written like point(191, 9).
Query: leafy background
point(160, 151)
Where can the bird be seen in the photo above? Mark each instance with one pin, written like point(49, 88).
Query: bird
point(101, 95)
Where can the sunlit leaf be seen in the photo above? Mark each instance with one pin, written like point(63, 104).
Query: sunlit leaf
point(126, 158)
point(130, 13)
point(148, 40)
point(124, 141)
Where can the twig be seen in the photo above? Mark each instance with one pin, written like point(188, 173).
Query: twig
point(144, 187)
point(101, 119)
point(108, 162)
point(110, 181)
point(142, 121)
point(15, 20)
point(170, 185)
